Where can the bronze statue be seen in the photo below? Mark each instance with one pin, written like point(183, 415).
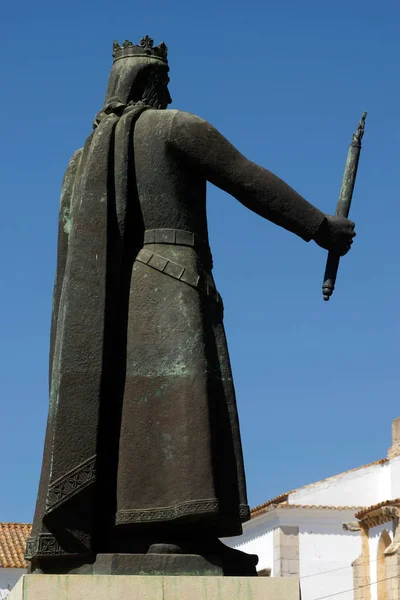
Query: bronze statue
point(142, 468)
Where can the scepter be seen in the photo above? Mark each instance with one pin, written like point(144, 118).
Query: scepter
point(343, 205)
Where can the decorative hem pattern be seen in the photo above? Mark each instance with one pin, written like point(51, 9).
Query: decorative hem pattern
point(71, 483)
point(169, 513)
point(44, 545)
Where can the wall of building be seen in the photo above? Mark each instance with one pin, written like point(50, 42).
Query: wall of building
point(362, 487)
point(374, 536)
point(263, 546)
point(326, 555)
point(395, 477)
point(286, 551)
point(326, 551)
point(257, 538)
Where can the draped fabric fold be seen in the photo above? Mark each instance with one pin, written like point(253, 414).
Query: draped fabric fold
point(83, 355)
point(142, 440)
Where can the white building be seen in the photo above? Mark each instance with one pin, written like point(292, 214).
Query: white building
point(340, 536)
point(337, 535)
point(13, 537)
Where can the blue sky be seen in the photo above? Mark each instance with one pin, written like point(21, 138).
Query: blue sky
point(286, 82)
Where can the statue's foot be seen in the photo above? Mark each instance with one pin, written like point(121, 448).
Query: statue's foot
point(163, 548)
point(234, 562)
point(237, 563)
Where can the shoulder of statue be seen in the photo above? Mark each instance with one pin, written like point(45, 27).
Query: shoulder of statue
point(168, 122)
point(183, 122)
point(153, 116)
point(182, 115)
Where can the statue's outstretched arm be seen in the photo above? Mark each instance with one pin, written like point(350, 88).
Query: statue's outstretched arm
point(255, 187)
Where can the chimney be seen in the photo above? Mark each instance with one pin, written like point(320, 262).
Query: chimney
point(394, 450)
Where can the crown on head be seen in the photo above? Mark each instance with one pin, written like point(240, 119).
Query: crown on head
point(146, 49)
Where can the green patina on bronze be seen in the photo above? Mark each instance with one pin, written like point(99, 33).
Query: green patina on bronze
point(143, 468)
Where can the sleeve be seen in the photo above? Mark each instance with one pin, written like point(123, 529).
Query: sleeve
point(258, 189)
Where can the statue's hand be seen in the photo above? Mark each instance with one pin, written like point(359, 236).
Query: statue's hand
point(335, 234)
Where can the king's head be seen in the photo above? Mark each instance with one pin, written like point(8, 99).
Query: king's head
point(145, 49)
point(141, 77)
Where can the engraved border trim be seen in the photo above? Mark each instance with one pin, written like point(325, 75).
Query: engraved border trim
point(168, 513)
point(71, 483)
point(44, 545)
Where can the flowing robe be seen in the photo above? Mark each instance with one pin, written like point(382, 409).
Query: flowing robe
point(179, 416)
point(165, 450)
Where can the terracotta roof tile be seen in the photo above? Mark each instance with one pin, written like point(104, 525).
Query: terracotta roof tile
point(13, 537)
point(286, 505)
point(322, 506)
point(274, 501)
point(364, 511)
point(284, 497)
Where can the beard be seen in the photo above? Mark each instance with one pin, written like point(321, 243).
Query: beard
point(156, 95)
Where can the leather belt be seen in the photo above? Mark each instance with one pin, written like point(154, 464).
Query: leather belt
point(178, 237)
point(202, 282)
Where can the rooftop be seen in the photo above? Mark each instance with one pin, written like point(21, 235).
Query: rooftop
point(286, 505)
point(283, 499)
point(369, 509)
point(13, 538)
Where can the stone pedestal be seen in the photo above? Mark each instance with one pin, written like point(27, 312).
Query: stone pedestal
point(131, 587)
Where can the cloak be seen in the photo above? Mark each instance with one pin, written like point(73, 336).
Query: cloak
point(85, 332)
